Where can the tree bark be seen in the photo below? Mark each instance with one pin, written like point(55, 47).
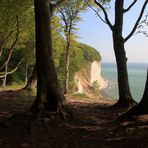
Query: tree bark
point(125, 97)
point(48, 87)
point(26, 74)
point(144, 100)
point(5, 75)
point(139, 109)
point(32, 82)
point(67, 63)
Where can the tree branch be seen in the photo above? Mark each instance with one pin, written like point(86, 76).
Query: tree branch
point(63, 17)
point(137, 22)
point(105, 14)
point(12, 46)
point(5, 38)
point(96, 12)
point(56, 5)
point(130, 6)
point(4, 35)
point(15, 69)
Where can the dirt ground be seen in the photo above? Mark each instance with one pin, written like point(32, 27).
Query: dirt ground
point(97, 126)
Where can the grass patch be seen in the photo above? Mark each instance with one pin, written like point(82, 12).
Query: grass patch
point(80, 96)
point(11, 87)
point(16, 87)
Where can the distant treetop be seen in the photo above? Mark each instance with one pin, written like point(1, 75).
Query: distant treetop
point(90, 54)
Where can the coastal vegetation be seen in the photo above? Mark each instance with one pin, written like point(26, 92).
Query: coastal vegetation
point(39, 48)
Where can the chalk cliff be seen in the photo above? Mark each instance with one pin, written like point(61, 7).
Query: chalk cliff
point(85, 78)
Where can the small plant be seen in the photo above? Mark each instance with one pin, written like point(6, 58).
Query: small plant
point(95, 86)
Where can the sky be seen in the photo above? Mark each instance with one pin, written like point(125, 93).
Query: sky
point(94, 32)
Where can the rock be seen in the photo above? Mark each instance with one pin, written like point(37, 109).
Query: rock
point(85, 78)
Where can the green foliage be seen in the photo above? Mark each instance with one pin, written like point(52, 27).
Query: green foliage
point(81, 54)
point(80, 96)
point(77, 62)
point(58, 41)
point(17, 17)
point(17, 56)
point(95, 86)
point(70, 14)
point(10, 10)
point(90, 54)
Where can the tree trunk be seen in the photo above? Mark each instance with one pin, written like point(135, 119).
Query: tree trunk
point(1, 52)
point(144, 100)
point(26, 74)
point(142, 107)
point(32, 82)
point(5, 76)
point(48, 88)
point(67, 62)
point(139, 109)
point(125, 97)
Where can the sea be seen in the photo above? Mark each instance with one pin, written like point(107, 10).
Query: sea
point(137, 77)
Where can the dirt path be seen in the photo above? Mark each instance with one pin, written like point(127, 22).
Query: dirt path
point(98, 127)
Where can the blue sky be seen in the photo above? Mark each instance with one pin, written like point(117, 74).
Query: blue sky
point(94, 32)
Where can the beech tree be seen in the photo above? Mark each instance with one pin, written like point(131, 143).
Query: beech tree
point(48, 87)
point(10, 32)
point(69, 14)
point(58, 46)
point(15, 27)
point(125, 97)
point(142, 107)
point(4, 67)
point(30, 86)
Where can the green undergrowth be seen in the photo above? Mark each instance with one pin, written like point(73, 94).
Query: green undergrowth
point(11, 87)
point(80, 96)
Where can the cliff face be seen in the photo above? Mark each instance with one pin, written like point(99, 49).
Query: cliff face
point(87, 76)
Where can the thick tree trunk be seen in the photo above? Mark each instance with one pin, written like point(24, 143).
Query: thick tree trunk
point(32, 82)
point(144, 100)
point(142, 107)
point(125, 97)
point(139, 109)
point(48, 88)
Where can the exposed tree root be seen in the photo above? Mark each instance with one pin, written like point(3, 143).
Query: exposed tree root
point(124, 104)
point(67, 111)
point(28, 91)
point(137, 110)
point(63, 111)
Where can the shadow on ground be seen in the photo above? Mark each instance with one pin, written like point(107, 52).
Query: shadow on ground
point(97, 127)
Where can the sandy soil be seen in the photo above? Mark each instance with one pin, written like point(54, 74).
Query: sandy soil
point(97, 126)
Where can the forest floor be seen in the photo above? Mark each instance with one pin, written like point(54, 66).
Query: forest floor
point(97, 126)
